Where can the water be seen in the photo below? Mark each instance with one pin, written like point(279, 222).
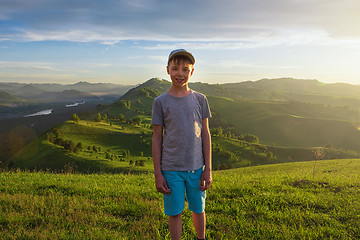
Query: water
point(43, 112)
point(74, 104)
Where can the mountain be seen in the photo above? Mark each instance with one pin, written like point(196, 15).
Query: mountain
point(100, 88)
point(289, 89)
point(299, 86)
point(8, 99)
point(28, 91)
point(66, 95)
point(38, 90)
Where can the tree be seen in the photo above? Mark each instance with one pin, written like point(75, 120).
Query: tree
point(95, 148)
point(56, 132)
point(137, 120)
point(75, 118)
point(121, 117)
point(79, 145)
point(250, 138)
point(124, 103)
point(69, 145)
point(98, 118)
point(216, 131)
point(140, 163)
point(319, 153)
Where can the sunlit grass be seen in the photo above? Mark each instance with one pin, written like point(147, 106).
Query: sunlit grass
point(310, 200)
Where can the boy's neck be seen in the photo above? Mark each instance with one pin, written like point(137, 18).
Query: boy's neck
point(179, 91)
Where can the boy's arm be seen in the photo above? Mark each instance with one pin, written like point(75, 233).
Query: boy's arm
point(206, 177)
point(160, 181)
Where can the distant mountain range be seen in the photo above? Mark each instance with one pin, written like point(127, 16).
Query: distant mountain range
point(19, 92)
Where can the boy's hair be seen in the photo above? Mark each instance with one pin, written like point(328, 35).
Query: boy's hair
point(179, 59)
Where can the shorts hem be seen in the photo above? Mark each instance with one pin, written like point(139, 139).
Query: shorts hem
point(171, 214)
point(197, 212)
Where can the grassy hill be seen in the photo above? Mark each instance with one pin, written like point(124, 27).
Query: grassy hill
point(288, 132)
point(289, 124)
point(103, 147)
point(309, 200)
point(118, 146)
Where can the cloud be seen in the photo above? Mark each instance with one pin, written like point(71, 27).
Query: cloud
point(38, 67)
point(245, 64)
point(240, 23)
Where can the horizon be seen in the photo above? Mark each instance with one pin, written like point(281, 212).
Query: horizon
point(123, 42)
point(136, 84)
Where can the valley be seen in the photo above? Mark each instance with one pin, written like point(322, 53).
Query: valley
point(245, 132)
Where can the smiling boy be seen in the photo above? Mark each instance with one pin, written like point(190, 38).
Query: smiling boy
point(181, 146)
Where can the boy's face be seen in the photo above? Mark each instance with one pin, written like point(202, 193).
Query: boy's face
point(180, 72)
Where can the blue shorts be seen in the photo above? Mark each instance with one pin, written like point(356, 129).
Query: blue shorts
point(181, 183)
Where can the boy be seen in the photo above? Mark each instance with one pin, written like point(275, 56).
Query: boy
point(181, 146)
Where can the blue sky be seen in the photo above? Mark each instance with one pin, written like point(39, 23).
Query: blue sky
point(127, 42)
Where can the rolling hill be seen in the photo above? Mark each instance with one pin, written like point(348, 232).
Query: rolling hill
point(288, 131)
point(280, 123)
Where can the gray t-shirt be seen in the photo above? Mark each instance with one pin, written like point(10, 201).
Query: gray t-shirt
point(181, 119)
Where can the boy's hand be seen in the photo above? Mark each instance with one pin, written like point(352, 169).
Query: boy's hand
point(161, 184)
point(206, 180)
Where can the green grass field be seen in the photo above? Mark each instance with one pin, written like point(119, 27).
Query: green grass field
point(307, 200)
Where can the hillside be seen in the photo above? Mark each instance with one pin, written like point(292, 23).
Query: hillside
point(111, 146)
point(103, 147)
point(245, 132)
point(119, 145)
point(310, 200)
point(280, 123)
point(289, 124)
point(7, 99)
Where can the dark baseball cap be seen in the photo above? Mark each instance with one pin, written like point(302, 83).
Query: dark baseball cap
point(181, 52)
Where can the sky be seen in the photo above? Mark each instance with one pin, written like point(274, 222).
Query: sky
point(128, 42)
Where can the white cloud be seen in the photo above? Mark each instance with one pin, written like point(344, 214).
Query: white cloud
point(245, 64)
point(37, 67)
point(109, 22)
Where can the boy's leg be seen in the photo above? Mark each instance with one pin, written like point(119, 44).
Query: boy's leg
point(174, 202)
point(196, 200)
point(199, 220)
point(175, 227)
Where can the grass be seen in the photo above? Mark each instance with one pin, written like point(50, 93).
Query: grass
point(308, 200)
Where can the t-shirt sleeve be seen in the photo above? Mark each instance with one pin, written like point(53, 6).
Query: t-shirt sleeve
point(206, 113)
point(157, 113)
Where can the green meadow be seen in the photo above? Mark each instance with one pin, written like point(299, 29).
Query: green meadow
point(307, 200)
